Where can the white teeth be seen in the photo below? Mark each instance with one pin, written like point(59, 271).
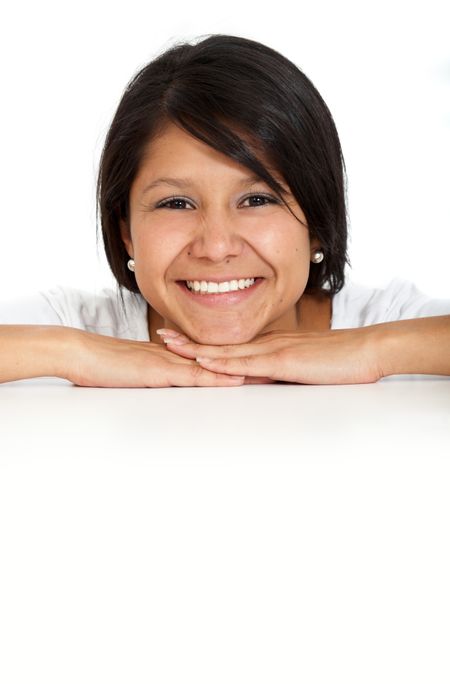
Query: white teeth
point(203, 286)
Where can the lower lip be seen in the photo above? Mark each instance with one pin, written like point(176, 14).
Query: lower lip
point(224, 298)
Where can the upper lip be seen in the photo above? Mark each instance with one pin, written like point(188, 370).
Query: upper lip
point(222, 278)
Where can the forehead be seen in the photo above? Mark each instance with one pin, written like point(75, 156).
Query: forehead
point(175, 152)
point(172, 145)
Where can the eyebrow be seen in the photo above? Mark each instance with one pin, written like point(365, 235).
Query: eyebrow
point(184, 182)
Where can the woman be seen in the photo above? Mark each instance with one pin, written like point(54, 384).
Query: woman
point(222, 204)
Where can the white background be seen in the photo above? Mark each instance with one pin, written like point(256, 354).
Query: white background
point(384, 71)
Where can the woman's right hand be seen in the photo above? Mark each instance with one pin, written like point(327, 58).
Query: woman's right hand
point(93, 360)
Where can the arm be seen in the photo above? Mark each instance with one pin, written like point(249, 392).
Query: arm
point(343, 356)
point(91, 360)
point(419, 345)
point(32, 351)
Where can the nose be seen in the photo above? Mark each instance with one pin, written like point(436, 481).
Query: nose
point(216, 237)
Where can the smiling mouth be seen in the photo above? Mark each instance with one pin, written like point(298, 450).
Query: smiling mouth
point(208, 292)
point(203, 287)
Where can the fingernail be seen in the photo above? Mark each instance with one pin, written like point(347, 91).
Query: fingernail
point(167, 333)
point(175, 341)
point(204, 359)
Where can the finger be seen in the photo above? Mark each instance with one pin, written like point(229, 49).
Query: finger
point(191, 350)
point(188, 350)
point(263, 365)
point(196, 376)
point(167, 332)
point(266, 343)
point(247, 380)
point(257, 381)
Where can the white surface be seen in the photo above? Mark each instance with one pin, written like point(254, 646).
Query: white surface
point(276, 533)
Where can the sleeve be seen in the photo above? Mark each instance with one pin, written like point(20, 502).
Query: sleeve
point(34, 309)
point(407, 301)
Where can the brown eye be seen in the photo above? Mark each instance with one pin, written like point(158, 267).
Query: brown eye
point(172, 203)
point(260, 200)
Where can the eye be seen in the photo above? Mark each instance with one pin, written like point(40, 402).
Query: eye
point(180, 203)
point(172, 203)
point(266, 199)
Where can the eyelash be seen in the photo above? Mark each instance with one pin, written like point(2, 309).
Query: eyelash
point(270, 200)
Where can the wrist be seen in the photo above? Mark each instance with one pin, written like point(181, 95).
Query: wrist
point(392, 347)
point(388, 348)
point(56, 344)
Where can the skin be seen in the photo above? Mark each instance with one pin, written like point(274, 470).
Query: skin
point(213, 230)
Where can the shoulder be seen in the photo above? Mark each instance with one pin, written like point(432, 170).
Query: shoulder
point(105, 311)
point(357, 305)
point(101, 311)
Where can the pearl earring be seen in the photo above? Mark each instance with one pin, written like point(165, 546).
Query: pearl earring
point(130, 264)
point(318, 257)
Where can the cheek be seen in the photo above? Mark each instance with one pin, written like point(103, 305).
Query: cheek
point(156, 250)
point(291, 261)
point(286, 244)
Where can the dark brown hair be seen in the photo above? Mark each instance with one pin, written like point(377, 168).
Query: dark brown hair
point(214, 89)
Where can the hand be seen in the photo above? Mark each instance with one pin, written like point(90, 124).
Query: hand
point(92, 360)
point(347, 356)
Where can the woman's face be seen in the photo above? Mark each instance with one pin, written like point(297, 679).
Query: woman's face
point(204, 219)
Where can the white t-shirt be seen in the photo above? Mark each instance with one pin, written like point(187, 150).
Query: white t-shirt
point(355, 306)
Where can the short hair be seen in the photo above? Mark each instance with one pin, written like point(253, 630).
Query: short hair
point(226, 91)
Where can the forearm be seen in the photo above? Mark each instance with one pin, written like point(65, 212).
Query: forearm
point(420, 345)
point(31, 351)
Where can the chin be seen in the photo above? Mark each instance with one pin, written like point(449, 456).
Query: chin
point(221, 337)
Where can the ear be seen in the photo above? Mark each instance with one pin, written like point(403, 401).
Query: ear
point(126, 237)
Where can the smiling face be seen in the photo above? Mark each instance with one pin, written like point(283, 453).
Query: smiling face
point(216, 225)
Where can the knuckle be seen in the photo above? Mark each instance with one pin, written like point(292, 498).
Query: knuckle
point(286, 355)
point(229, 348)
point(164, 377)
point(197, 372)
point(245, 361)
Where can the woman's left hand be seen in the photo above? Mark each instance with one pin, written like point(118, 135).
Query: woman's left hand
point(333, 357)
